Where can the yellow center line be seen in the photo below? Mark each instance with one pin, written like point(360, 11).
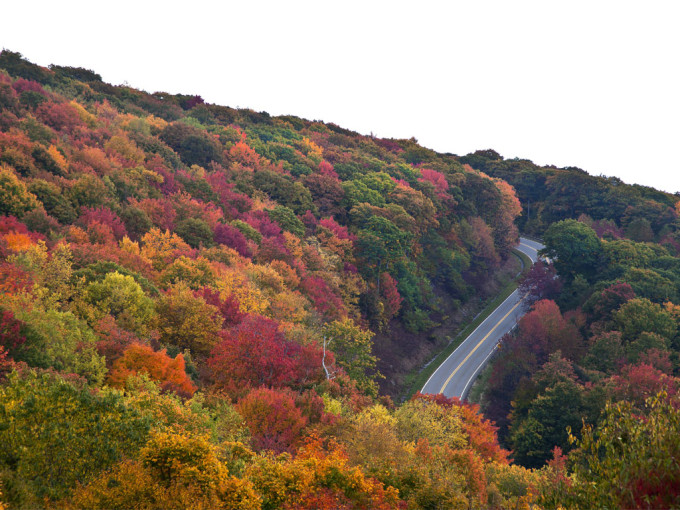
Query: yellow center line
point(527, 246)
point(477, 346)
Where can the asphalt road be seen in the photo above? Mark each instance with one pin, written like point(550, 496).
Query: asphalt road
point(454, 377)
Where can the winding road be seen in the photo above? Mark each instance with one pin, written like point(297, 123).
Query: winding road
point(455, 375)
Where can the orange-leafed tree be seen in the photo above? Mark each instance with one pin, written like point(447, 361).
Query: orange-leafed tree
point(160, 211)
point(245, 155)
point(138, 358)
point(318, 478)
point(481, 433)
point(163, 247)
point(505, 231)
point(482, 242)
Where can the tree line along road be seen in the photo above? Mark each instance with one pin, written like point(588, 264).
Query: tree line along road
point(455, 375)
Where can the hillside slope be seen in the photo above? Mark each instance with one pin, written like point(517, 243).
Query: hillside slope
point(228, 270)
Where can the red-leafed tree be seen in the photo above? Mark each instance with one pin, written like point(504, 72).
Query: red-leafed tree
point(606, 229)
point(540, 332)
point(309, 220)
point(325, 168)
point(255, 353)
point(11, 337)
point(540, 283)
point(99, 233)
point(6, 363)
point(337, 229)
point(273, 248)
point(9, 224)
point(159, 210)
point(640, 382)
point(23, 85)
point(228, 307)
point(261, 222)
point(232, 202)
point(324, 299)
point(544, 330)
point(13, 279)
point(274, 421)
point(60, 116)
point(390, 296)
point(437, 179)
point(105, 216)
point(659, 359)
point(113, 339)
point(232, 237)
point(327, 192)
point(602, 304)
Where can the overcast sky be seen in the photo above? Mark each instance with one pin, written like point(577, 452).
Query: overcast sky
point(592, 84)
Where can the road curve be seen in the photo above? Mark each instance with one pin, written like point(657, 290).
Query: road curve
point(456, 374)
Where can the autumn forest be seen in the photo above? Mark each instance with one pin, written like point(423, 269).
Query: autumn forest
point(208, 307)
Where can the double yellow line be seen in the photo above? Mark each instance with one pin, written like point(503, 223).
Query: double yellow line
point(478, 345)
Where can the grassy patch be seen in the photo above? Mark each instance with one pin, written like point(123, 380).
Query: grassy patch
point(526, 261)
point(477, 390)
point(416, 380)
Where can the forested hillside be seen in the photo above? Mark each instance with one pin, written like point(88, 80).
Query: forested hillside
point(298, 221)
point(600, 347)
point(191, 297)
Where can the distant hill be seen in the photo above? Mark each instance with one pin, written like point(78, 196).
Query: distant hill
point(550, 194)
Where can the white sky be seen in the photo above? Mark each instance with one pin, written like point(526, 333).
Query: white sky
point(593, 84)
